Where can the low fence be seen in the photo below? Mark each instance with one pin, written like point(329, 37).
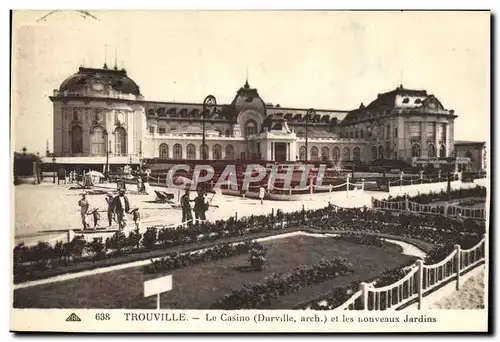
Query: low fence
point(447, 210)
point(421, 180)
point(418, 283)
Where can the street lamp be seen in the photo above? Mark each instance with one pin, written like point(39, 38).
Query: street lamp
point(310, 113)
point(54, 170)
point(208, 104)
point(106, 170)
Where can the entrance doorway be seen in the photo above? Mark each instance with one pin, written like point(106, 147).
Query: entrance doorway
point(280, 152)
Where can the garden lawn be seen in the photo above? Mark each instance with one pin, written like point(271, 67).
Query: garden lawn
point(197, 287)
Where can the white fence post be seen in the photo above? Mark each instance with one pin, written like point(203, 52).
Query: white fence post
point(420, 282)
point(407, 204)
point(362, 184)
point(364, 296)
point(459, 264)
point(347, 184)
point(401, 181)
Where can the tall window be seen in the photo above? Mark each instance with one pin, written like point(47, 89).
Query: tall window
point(120, 141)
point(228, 133)
point(347, 154)
point(388, 132)
point(325, 152)
point(177, 151)
point(431, 151)
point(97, 141)
point(204, 152)
point(374, 153)
point(361, 134)
point(302, 153)
point(442, 132)
point(415, 150)
point(395, 132)
point(191, 152)
point(356, 134)
point(442, 151)
point(431, 131)
point(381, 152)
point(336, 153)
point(163, 151)
point(76, 139)
point(314, 153)
point(229, 152)
point(250, 128)
point(356, 154)
point(217, 152)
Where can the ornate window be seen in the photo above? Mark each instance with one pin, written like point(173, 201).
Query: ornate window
point(250, 128)
point(120, 141)
point(325, 153)
point(374, 153)
point(381, 152)
point(347, 154)
point(191, 152)
point(76, 139)
point(336, 153)
point(314, 153)
point(442, 151)
point(177, 151)
point(431, 151)
point(217, 152)
point(163, 151)
point(356, 154)
point(97, 141)
point(75, 116)
point(229, 152)
point(302, 153)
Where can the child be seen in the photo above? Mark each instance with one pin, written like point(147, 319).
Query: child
point(262, 193)
point(97, 217)
point(136, 216)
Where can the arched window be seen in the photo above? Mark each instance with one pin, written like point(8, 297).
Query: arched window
point(250, 128)
point(120, 141)
point(356, 154)
point(314, 153)
point(97, 141)
point(228, 133)
point(164, 151)
point(76, 139)
point(374, 153)
point(347, 154)
point(431, 151)
point(217, 152)
point(415, 150)
point(177, 151)
point(442, 152)
point(204, 152)
point(302, 153)
point(229, 152)
point(336, 153)
point(325, 153)
point(356, 134)
point(381, 152)
point(191, 152)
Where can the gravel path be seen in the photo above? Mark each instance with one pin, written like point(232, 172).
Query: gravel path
point(469, 297)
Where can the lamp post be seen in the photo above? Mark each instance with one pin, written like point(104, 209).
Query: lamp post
point(208, 104)
point(310, 113)
point(106, 169)
point(54, 170)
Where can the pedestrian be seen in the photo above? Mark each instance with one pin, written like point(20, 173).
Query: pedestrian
point(136, 216)
point(97, 217)
point(200, 207)
point(262, 193)
point(186, 207)
point(109, 201)
point(84, 204)
point(121, 207)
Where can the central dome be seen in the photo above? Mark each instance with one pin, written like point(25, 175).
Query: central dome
point(248, 98)
point(86, 78)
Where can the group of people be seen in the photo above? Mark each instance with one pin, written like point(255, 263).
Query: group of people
point(118, 208)
point(200, 207)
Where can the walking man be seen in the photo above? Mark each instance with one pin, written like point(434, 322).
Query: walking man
point(109, 201)
point(121, 207)
point(186, 207)
point(84, 204)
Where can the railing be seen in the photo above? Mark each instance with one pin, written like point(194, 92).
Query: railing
point(431, 209)
point(419, 282)
point(421, 180)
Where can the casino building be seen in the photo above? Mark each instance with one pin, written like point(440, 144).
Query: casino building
point(100, 116)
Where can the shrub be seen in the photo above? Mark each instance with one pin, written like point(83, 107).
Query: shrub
point(150, 237)
point(97, 248)
point(117, 242)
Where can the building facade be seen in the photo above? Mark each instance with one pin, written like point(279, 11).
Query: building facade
point(475, 151)
point(101, 116)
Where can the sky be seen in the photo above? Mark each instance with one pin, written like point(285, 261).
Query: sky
point(323, 60)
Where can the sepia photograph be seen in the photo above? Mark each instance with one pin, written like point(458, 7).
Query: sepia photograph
point(304, 166)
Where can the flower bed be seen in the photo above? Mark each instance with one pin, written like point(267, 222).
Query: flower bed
point(442, 196)
point(260, 295)
point(362, 239)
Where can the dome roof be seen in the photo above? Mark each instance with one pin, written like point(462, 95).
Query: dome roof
point(248, 98)
point(111, 78)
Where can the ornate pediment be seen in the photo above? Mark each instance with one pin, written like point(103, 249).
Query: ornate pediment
point(432, 103)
